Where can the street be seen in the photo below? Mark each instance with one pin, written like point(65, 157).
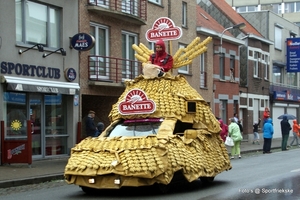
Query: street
point(255, 176)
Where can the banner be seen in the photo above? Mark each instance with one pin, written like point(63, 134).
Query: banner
point(293, 54)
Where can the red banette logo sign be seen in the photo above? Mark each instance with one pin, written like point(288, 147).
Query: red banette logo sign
point(165, 29)
point(136, 102)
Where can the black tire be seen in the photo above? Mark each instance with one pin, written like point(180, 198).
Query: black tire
point(164, 188)
point(89, 190)
point(207, 180)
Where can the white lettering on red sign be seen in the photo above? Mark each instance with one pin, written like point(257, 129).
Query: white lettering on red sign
point(136, 102)
point(165, 29)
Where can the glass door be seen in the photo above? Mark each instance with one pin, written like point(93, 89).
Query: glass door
point(35, 112)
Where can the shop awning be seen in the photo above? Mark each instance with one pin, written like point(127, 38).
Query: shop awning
point(37, 85)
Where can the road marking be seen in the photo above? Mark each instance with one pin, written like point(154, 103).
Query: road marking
point(296, 170)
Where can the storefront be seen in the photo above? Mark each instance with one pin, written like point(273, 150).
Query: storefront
point(45, 104)
point(286, 101)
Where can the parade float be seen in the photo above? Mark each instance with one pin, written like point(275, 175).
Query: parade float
point(161, 128)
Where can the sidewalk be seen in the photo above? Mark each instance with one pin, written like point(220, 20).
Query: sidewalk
point(53, 169)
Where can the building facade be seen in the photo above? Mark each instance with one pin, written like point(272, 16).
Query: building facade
point(253, 64)
point(39, 74)
point(284, 86)
point(116, 26)
point(288, 9)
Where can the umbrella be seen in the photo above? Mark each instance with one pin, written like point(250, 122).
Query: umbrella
point(289, 116)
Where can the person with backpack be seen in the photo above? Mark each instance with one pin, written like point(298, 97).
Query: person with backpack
point(161, 58)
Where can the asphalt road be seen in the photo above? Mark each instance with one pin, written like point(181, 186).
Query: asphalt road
point(255, 176)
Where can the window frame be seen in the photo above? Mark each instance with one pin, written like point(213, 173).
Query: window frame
point(158, 2)
point(52, 40)
point(278, 37)
point(203, 74)
point(183, 69)
point(128, 51)
point(96, 49)
point(184, 14)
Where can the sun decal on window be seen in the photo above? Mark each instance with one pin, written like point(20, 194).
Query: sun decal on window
point(16, 125)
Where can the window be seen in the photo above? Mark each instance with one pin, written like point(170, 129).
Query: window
point(291, 79)
point(130, 7)
point(292, 7)
point(183, 69)
point(266, 67)
point(277, 8)
point(255, 67)
point(129, 69)
point(184, 14)
point(246, 9)
point(223, 110)
point(155, 1)
point(278, 37)
point(222, 66)
point(37, 23)
point(102, 3)
point(203, 74)
point(99, 65)
point(277, 74)
point(232, 68)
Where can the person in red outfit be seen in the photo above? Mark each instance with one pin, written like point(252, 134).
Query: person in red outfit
point(266, 114)
point(224, 131)
point(161, 58)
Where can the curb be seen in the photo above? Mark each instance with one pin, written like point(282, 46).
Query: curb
point(33, 180)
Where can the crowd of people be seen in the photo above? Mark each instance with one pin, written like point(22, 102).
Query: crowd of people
point(235, 131)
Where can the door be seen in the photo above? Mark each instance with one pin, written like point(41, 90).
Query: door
point(35, 112)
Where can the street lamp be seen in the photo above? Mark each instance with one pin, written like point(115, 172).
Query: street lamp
point(237, 26)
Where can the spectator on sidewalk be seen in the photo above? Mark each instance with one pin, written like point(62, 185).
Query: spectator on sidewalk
point(285, 132)
point(266, 114)
point(255, 132)
point(224, 131)
point(296, 128)
point(268, 131)
point(90, 126)
point(235, 134)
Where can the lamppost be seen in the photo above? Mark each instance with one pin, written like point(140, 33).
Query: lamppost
point(239, 26)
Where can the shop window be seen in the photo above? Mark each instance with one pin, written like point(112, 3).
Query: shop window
point(16, 114)
point(37, 23)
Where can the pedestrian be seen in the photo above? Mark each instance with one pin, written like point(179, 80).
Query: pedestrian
point(285, 132)
point(268, 132)
point(255, 132)
point(235, 117)
point(100, 128)
point(239, 123)
point(296, 128)
point(266, 114)
point(161, 58)
point(90, 126)
point(235, 134)
point(224, 131)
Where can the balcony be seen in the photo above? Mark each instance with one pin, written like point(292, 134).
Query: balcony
point(279, 87)
point(133, 11)
point(109, 71)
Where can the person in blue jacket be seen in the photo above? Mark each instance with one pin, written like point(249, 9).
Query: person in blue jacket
point(268, 131)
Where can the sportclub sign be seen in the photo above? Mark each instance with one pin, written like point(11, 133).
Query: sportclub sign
point(165, 29)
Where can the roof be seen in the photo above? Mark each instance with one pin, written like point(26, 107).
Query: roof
point(207, 21)
point(235, 17)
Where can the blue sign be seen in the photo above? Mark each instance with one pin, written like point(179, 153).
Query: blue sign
point(70, 74)
point(293, 54)
point(82, 42)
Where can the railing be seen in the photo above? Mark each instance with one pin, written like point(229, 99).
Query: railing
point(136, 8)
point(278, 87)
point(203, 79)
point(112, 70)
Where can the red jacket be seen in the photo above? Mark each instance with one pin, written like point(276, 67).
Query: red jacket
point(160, 57)
point(296, 127)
